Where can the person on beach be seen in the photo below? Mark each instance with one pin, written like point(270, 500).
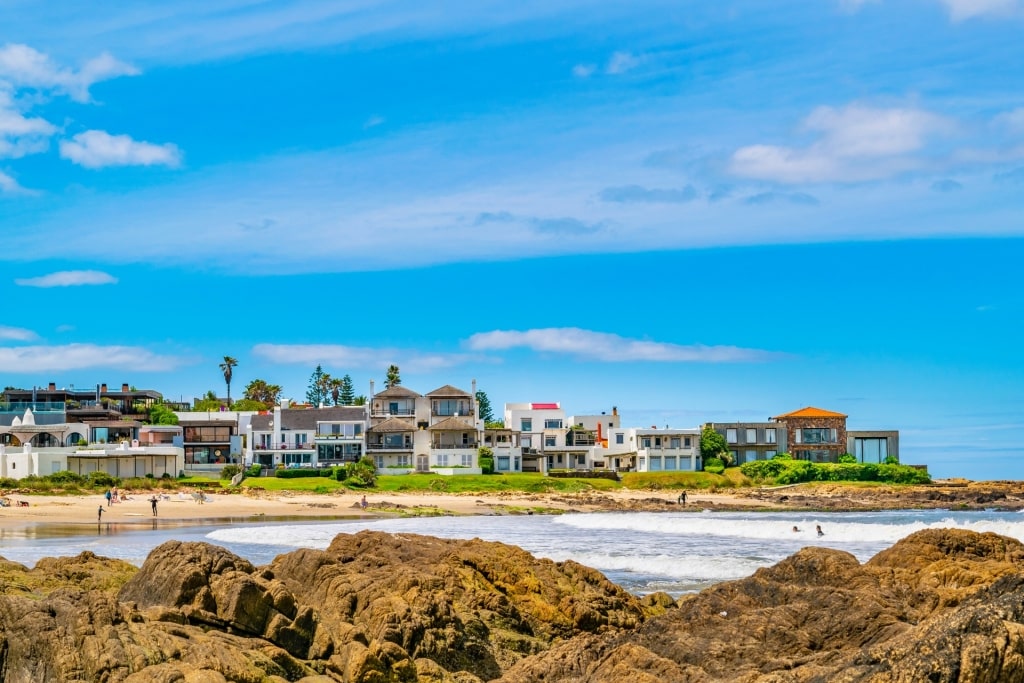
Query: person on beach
point(108, 495)
point(152, 504)
point(820, 532)
point(682, 498)
point(363, 502)
point(99, 513)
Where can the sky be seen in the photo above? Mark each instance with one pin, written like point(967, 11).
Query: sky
point(689, 211)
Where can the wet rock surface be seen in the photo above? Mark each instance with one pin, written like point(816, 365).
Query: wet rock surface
point(941, 605)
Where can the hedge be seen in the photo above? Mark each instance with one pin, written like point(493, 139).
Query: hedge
point(302, 472)
point(780, 471)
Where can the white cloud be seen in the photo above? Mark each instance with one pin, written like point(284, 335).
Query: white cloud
point(21, 134)
point(583, 70)
point(959, 10)
point(337, 355)
point(854, 143)
point(611, 348)
point(621, 62)
point(68, 278)
point(25, 359)
point(16, 333)
point(373, 122)
point(1011, 120)
point(23, 66)
point(97, 149)
point(9, 185)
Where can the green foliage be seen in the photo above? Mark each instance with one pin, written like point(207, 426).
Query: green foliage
point(301, 472)
point(260, 391)
point(102, 480)
point(159, 414)
point(359, 474)
point(394, 378)
point(714, 465)
point(66, 477)
point(786, 471)
point(713, 445)
point(229, 471)
point(254, 470)
point(495, 424)
point(891, 460)
point(226, 368)
point(248, 404)
point(347, 393)
point(485, 456)
point(83, 442)
point(847, 458)
point(316, 392)
point(209, 403)
point(782, 456)
point(484, 404)
point(359, 400)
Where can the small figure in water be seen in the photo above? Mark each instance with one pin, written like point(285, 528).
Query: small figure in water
point(796, 529)
point(820, 532)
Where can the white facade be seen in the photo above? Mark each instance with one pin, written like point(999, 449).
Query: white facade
point(120, 461)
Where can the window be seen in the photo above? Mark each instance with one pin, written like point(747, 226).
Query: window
point(552, 424)
point(730, 436)
point(620, 438)
point(446, 407)
point(405, 460)
point(657, 442)
point(670, 462)
point(378, 460)
point(749, 456)
point(818, 435)
point(503, 463)
point(769, 436)
point(656, 464)
point(526, 424)
point(581, 460)
point(467, 460)
point(768, 455)
point(674, 443)
point(871, 450)
point(734, 455)
point(526, 441)
point(442, 459)
point(687, 442)
point(646, 442)
point(549, 441)
point(751, 435)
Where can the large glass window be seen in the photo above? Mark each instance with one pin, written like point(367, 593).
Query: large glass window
point(818, 435)
point(504, 463)
point(730, 436)
point(552, 424)
point(674, 443)
point(207, 434)
point(871, 450)
point(749, 456)
point(526, 424)
point(751, 435)
point(646, 442)
point(656, 464)
point(452, 406)
point(769, 436)
point(549, 441)
point(670, 462)
point(687, 442)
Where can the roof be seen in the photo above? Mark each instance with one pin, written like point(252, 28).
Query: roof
point(452, 424)
point(544, 406)
point(397, 391)
point(393, 425)
point(448, 390)
point(810, 411)
point(306, 418)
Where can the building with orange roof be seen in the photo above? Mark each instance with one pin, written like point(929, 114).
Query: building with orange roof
point(816, 434)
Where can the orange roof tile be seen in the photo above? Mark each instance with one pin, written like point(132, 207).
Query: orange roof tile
point(811, 411)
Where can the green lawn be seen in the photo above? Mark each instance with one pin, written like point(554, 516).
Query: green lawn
point(304, 484)
point(487, 483)
point(684, 480)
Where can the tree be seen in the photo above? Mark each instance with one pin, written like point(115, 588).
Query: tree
point(209, 402)
point(713, 445)
point(393, 379)
point(335, 385)
point(159, 414)
point(347, 394)
point(226, 367)
point(247, 404)
point(316, 393)
point(259, 390)
point(359, 400)
point(484, 404)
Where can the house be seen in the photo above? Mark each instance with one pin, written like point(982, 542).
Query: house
point(815, 434)
point(654, 450)
point(538, 424)
point(307, 437)
point(749, 441)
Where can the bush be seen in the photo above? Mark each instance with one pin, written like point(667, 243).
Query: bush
point(254, 470)
point(102, 480)
point(797, 471)
point(301, 472)
point(229, 471)
point(358, 474)
point(847, 458)
point(714, 465)
point(487, 465)
point(65, 477)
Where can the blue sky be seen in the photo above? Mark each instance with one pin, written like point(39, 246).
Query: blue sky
point(691, 211)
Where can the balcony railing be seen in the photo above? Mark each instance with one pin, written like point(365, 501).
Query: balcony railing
point(452, 446)
point(394, 412)
point(338, 437)
point(388, 447)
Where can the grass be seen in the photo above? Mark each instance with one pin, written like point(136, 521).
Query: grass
point(681, 480)
point(303, 484)
point(491, 483)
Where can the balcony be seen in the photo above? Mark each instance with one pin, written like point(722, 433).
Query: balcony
point(442, 446)
point(389, 447)
point(394, 412)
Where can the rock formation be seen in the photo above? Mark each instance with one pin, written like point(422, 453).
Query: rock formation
point(377, 608)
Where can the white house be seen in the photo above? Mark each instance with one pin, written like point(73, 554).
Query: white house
point(655, 450)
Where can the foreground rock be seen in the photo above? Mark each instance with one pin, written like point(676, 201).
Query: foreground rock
point(938, 606)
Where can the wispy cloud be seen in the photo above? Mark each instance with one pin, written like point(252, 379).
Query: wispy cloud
point(26, 359)
point(20, 134)
point(798, 198)
point(373, 122)
point(68, 278)
point(855, 143)
point(371, 359)
point(545, 226)
point(97, 149)
point(946, 185)
point(17, 334)
point(9, 185)
point(584, 70)
point(626, 194)
point(611, 348)
point(23, 66)
point(621, 62)
point(959, 10)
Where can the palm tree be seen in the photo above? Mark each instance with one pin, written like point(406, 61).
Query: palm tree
point(335, 385)
point(226, 367)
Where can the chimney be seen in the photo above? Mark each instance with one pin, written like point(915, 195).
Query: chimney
point(371, 388)
point(124, 388)
point(52, 386)
point(615, 410)
point(103, 388)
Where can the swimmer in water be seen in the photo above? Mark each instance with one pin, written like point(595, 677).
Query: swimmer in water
point(820, 532)
point(796, 529)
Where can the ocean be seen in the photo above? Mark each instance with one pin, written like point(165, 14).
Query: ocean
point(676, 552)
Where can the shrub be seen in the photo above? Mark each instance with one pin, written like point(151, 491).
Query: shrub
point(358, 474)
point(902, 474)
point(714, 466)
point(229, 471)
point(66, 477)
point(301, 472)
point(487, 465)
point(254, 470)
point(847, 458)
point(102, 480)
point(891, 460)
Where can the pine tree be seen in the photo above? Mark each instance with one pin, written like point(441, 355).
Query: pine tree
point(316, 393)
point(484, 404)
point(347, 392)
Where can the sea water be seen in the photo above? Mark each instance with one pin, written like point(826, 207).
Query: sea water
point(676, 552)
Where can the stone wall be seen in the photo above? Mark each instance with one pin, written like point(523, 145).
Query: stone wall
point(795, 424)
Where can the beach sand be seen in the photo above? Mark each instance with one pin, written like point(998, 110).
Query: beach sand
point(257, 505)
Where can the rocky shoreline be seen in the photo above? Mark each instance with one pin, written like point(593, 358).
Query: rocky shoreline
point(940, 605)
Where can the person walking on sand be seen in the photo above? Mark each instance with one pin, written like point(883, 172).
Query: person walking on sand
point(363, 502)
point(682, 498)
point(820, 532)
point(99, 514)
point(108, 495)
point(152, 504)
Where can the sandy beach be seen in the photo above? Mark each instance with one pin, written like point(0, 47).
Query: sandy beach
point(256, 505)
